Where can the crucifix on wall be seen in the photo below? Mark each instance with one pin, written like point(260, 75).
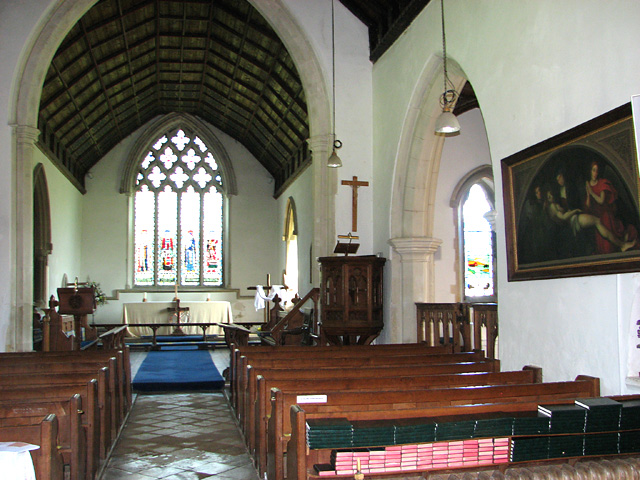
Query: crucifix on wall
point(354, 184)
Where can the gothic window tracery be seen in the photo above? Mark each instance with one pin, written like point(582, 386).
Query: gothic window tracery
point(178, 213)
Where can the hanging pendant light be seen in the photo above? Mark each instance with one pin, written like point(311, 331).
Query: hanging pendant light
point(447, 121)
point(334, 160)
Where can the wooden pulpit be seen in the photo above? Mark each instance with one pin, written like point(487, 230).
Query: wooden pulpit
point(351, 298)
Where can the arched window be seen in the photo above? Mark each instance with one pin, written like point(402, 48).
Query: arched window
point(291, 239)
point(178, 209)
point(474, 200)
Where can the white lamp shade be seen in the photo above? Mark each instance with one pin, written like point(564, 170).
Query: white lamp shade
point(334, 160)
point(447, 123)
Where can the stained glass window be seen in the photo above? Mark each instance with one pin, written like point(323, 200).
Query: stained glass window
point(179, 214)
point(478, 244)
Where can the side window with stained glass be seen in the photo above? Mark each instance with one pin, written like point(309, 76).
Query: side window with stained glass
point(478, 245)
point(178, 214)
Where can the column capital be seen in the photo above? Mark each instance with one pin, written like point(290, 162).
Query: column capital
point(26, 134)
point(416, 249)
point(320, 142)
point(491, 217)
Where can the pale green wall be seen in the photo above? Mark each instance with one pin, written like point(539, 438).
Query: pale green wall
point(538, 68)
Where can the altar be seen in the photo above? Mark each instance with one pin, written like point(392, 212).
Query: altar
point(163, 312)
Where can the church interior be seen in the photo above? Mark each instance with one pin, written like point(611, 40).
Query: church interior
point(272, 173)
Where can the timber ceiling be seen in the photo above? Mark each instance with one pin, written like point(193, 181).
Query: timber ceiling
point(127, 61)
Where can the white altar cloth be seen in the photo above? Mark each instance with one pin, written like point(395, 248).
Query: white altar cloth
point(158, 312)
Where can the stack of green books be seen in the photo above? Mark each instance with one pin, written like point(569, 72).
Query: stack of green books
point(566, 418)
point(603, 414)
point(329, 433)
point(372, 433)
point(414, 430)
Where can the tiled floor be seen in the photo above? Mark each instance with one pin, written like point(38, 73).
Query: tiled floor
point(180, 436)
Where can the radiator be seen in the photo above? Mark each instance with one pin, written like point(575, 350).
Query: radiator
point(616, 469)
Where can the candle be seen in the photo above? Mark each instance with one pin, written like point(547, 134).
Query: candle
point(208, 297)
point(144, 297)
point(176, 290)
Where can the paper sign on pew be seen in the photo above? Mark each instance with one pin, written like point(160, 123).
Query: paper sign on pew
point(311, 399)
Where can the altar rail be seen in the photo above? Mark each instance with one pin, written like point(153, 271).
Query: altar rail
point(464, 326)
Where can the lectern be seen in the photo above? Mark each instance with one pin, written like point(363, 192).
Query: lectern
point(351, 298)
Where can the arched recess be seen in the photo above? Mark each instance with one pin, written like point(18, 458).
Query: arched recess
point(42, 246)
point(59, 18)
point(412, 201)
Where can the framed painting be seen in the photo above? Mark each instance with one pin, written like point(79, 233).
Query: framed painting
point(572, 202)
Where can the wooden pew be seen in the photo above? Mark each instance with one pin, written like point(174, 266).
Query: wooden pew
point(68, 374)
point(256, 434)
point(71, 439)
point(47, 459)
point(90, 416)
point(39, 377)
point(252, 391)
point(122, 376)
point(295, 351)
point(354, 361)
point(405, 404)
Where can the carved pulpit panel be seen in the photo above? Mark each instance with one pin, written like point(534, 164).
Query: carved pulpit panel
point(351, 298)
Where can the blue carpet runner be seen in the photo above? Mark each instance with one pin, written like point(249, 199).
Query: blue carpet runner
point(177, 369)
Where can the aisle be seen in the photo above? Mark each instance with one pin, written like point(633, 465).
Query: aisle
point(181, 436)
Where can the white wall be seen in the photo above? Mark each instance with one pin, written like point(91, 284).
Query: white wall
point(537, 69)
point(65, 202)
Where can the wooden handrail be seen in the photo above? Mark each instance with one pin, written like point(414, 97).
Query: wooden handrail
point(293, 322)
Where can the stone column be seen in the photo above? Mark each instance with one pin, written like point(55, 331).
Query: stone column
point(20, 332)
point(412, 282)
point(324, 201)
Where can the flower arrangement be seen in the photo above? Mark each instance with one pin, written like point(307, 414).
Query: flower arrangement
point(100, 296)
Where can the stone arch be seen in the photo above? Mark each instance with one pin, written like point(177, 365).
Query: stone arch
point(58, 19)
point(412, 201)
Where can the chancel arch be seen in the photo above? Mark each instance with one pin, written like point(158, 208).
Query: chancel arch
point(61, 16)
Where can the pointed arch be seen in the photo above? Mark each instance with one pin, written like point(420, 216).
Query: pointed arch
point(413, 199)
point(290, 238)
point(52, 28)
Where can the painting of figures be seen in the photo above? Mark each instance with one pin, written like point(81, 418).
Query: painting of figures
point(571, 202)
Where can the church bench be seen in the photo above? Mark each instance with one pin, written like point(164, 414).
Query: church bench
point(47, 459)
point(250, 393)
point(34, 376)
point(407, 404)
point(304, 361)
point(74, 373)
point(71, 439)
point(96, 447)
point(256, 426)
point(123, 362)
point(334, 351)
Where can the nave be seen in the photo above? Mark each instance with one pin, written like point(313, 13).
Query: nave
point(180, 436)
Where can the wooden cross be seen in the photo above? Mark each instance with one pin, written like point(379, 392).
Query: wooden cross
point(354, 184)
